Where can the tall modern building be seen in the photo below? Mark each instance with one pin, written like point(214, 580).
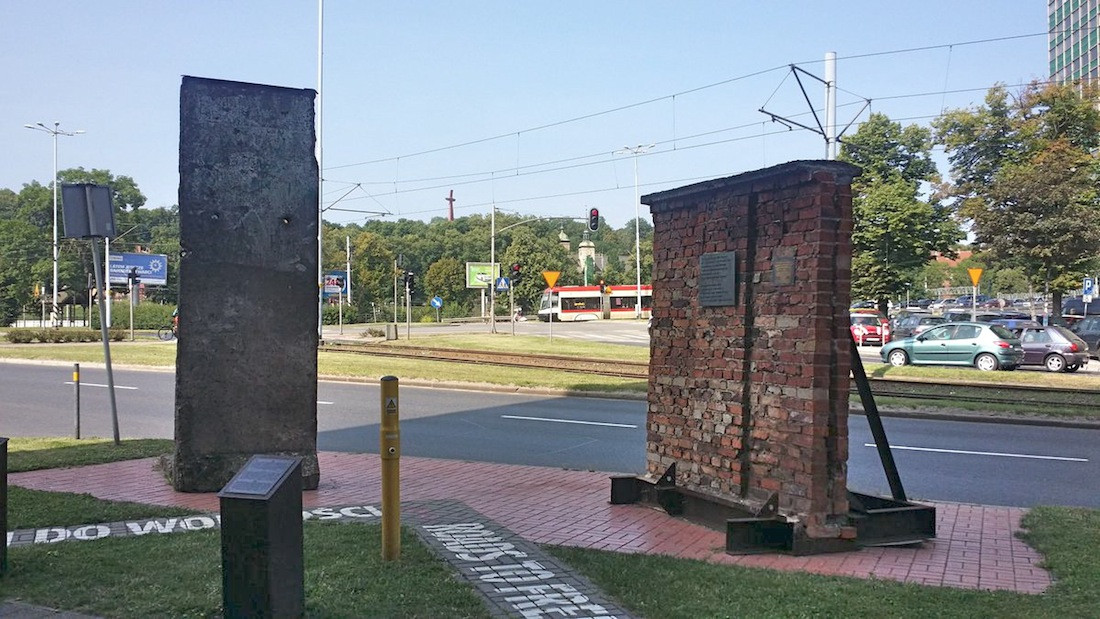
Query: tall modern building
point(1074, 40)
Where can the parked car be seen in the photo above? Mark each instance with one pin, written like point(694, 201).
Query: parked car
point(1088, 329)
point(963, 314)
point(870, 327)
point(1016, 325)
point(1078, 307)
point(982, 345)
point(915, 324)
point(864, 305)
point(1054, 347)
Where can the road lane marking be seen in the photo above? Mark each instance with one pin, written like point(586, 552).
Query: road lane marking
point(983, 453)
point(586, 423)
point(84, 384)
point(324, 402)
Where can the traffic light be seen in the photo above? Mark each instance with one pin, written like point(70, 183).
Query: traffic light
point(516, 274)
point(593, 219)
point(410, 282)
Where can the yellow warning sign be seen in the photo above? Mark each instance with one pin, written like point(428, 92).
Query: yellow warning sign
point(391, 405)
point(551, 277)
point(975, 275)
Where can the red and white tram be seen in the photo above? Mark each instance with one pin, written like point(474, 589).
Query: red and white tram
point(576, 303)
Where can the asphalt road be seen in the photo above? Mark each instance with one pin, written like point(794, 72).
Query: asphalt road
point(998, 464)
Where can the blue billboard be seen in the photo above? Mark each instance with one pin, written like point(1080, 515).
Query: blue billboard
point(152, 269)
point(336, 284)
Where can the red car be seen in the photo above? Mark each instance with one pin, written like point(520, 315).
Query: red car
point(870, 328)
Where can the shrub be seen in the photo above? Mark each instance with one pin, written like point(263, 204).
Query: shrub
point(20, 336)
point(146, 316)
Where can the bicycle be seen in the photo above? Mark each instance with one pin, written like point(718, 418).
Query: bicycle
point(167, 334)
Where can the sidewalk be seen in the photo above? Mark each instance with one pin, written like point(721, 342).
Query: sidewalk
point(976, 547)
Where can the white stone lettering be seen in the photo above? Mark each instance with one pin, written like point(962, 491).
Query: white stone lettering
point(528, 571)
point(92, 531)
point(353, 512)
point(137, 528)
point(51, 535)
point(322, 513)
point(198, 523)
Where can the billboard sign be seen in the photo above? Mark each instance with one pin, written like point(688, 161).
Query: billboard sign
point(152, 269)
point(336, 284)
point(481, 274)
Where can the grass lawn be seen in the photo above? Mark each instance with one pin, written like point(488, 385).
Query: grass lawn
point(345, 576)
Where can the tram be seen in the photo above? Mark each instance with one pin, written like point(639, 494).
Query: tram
point(579, 303)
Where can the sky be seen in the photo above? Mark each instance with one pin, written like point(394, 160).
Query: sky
point(519, 104)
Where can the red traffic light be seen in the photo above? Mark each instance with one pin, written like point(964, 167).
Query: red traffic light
point(593, 219)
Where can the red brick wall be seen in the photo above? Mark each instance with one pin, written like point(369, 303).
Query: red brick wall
point(751, 399)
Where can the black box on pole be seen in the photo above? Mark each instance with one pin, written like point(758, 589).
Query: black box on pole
point(262, 557)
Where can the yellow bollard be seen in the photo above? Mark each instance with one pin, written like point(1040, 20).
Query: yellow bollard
point(390, 447)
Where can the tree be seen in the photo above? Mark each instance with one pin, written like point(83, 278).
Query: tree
point(895, 231)
point(446, 278)
point(537, 253)
point(1025, 172)
point(125, 194)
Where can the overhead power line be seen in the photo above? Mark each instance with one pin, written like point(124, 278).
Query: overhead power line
point(673, 96)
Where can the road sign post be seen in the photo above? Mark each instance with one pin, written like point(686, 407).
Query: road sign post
point(975, 276)
point(437, 303)
point(551, 278)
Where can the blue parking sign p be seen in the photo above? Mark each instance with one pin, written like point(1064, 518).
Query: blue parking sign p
point(1089, 287)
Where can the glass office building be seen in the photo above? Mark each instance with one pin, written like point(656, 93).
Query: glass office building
point(1073, 40)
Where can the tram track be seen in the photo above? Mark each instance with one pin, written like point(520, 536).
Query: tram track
point(1085, 400)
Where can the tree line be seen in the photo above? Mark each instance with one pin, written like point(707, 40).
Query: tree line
point(1021, 184)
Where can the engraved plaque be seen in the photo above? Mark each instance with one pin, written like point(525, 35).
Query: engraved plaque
point(718, 279)
point(260, 476)
point(783, 271)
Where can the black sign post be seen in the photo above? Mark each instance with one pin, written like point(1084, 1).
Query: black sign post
point(262, 557)
point(3, 505)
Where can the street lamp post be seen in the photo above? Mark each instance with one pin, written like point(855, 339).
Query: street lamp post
point(56, 131)
point(637, 150)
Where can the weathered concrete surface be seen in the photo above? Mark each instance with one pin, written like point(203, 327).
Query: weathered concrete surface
point(246, 375)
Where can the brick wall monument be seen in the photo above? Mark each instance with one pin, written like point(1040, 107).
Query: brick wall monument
point(750, 359)
point(246, 366)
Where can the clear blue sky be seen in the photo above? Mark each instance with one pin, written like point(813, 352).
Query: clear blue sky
point(401, 78)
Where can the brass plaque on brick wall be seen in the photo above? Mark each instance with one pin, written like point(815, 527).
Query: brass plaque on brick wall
point(718, 279)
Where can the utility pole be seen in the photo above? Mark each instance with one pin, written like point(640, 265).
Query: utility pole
point(830, 105)
point(56, 131)
point(637, 150)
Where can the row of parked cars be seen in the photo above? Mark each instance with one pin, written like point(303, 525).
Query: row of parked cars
point(991, 341)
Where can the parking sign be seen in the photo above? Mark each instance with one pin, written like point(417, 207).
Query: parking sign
point(1089, 287)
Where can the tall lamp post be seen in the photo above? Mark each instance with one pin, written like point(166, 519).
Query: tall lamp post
point(56, 131)
point(637, 150)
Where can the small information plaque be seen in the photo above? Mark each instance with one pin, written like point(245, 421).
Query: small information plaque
point(718, 279)
point(783, 271)
point(260, 476)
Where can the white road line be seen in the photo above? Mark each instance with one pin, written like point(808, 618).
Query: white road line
point(983, 453)
point(324, 402)
point(84, 384)
point(586, 423)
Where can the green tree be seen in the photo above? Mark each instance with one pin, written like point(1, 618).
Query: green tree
point(125, 195)
point(1025, 172)
point(895, 230)
point(446, 278)
point(537, 253)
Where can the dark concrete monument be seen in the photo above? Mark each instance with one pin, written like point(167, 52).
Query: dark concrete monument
point(246, 367)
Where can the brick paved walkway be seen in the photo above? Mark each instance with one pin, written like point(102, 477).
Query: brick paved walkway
point(977, 547)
